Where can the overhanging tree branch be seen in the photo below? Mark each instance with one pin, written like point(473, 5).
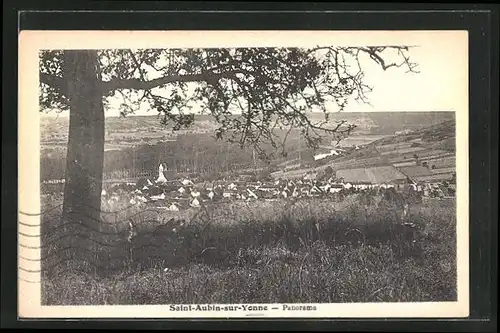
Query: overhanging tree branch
point(258, 83)
point(138, 84)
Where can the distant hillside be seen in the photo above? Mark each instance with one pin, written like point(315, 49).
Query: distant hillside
point(368, 123)
point(384, 123)
point(380, 123)
point(438, 136)
point(433, 145)
point(387, 123)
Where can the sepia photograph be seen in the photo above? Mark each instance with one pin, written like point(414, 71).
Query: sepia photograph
point(271, 174)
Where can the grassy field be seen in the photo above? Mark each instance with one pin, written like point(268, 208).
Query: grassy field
point(260, 252)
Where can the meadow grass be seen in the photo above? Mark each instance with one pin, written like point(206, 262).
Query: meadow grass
point(259, 252)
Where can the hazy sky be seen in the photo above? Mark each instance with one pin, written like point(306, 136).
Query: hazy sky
point(394, 90)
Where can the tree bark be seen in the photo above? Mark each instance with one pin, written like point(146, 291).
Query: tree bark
point(85, 155)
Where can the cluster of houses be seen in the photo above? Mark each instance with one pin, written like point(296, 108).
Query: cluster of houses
point(418, 177)
point(184, 193)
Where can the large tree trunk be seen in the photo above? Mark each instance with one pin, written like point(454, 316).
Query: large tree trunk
point(85, 155)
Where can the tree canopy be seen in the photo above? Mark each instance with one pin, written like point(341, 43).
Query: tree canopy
point(256, 95)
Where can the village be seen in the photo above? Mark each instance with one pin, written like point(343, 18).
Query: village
point(179, 194)
point(421, 161)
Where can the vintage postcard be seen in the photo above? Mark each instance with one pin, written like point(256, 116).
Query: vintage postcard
point(242, 174)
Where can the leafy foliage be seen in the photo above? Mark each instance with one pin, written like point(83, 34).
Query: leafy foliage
point(271, 88)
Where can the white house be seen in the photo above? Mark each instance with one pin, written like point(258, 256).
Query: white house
point(173, 207)
point(158, 197)
point(186, 182)
point(195, 203)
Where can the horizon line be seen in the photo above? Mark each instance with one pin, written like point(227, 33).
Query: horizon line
point(66, 113)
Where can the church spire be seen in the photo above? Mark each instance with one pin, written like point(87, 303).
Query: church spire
point(161, 176)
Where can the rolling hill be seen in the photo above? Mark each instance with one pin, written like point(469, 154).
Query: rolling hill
point(437, 136)
point(140, 141)
point(54, 129)
point(432, 146)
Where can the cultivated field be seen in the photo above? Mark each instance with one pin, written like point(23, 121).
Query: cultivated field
point(433, 145)
point(308, 251)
